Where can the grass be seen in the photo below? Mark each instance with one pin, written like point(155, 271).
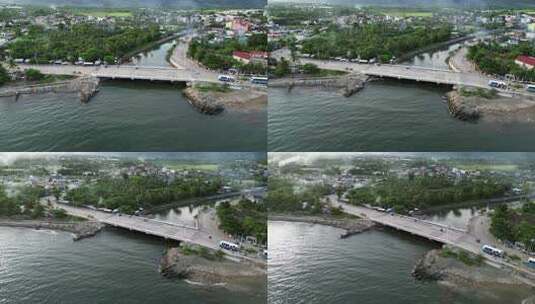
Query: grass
point(212, 87)
point(479, 92)
point(406, 13)
point(489, 167)
point(463, 256)
point(200, 167)
point(202, 252)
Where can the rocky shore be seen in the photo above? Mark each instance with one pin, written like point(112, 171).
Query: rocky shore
point(350, 225)
point(213, 102)
point(87, 87)
point(501, 108)
point(346, 85)
point(199, 269)
point(436, 266)
point(80, 230)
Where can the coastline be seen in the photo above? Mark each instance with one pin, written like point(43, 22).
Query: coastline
point(80, 230)
point(213, 102)
point(347, 85)
point(351, 226)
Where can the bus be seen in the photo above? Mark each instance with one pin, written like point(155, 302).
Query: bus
point(497, 84)
point(531, 88)
point(531, 262)
point(229, 246)
point(492, 251)
point(259, 80)
point(225, 78)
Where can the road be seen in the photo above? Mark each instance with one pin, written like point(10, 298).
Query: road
point(408, 72)
point(122, 72)
point(172, 231)
point(433, 231)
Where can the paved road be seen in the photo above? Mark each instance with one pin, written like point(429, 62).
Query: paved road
point(433, 231)
point(172, 231)
point(422, 74)
point(122, 72)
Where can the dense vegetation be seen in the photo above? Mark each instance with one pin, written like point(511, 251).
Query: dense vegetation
point(246, 218)
point(132, 192)
point(424, 192)
point(87, 41)
point(218, 56)
point(283, 198)
point(514, 225)
point(381, 41)
point(4, 76)
point(24, 203)
point(495, 59)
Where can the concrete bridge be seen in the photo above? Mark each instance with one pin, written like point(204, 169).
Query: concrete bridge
point(125, 72)
point(167, 230)
point(444, 234)
point(408, 72)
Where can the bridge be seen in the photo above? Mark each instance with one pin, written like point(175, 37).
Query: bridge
point(407, 72)
point(444, 234)
point(167, 230)
point(125, 72)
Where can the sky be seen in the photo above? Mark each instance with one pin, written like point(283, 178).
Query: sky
point(420, 3)
point(282, 158)
point(143, 3)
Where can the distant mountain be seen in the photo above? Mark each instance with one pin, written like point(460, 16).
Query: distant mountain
point(422, 3)
point(143, 3)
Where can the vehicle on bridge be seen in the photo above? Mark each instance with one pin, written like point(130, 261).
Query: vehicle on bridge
point(530, 88)
point(226, 78)
point(497, 84)
point(492, 251)
point(531, 262)
point(259, 80)
point(229, 246)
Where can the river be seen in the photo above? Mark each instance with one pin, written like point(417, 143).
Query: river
point(388, 115)
point(114, 267)
point(311, 264)
point(126, 116)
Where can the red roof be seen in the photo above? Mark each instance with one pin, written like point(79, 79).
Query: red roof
point(529, 60)
point(249, 55)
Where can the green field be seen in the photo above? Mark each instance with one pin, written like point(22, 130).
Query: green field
point(97, 13)
point(490, 167)
point(200, 167)
point(407, 13)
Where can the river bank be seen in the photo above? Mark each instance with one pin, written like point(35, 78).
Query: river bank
point(208, 268)
point(453, 268)
point(214, 99)
point(346, 85)
point(86, 87)
point(351, 226)
point(473, 104)
point(80, 230)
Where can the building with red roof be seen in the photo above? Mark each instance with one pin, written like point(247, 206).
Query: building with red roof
point(527, 62)
point(258, 57)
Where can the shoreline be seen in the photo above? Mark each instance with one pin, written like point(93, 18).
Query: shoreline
point(351, 226)
point(347, 85)
point(213, 102)
point(80, 230)
point(86, 86)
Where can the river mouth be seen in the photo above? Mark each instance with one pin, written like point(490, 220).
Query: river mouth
point(116, 265)
point(311, 264)
point(387, 115)
point(125, 116)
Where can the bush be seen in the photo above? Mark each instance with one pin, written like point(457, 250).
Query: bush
point(33, 74)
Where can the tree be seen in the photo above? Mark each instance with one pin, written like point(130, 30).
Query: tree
point(33, 75)
point(4, 76)
point(282, 69)
point(310, 68)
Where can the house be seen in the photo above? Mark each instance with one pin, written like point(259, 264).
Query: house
point(256, 57)
point(527, 62)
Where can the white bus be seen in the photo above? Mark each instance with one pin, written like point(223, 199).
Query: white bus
point(531, 88)
point(497, 84)
point(229, 246)
point(492, 251)
point(225, 78)
point(259, 80)
point(531, 262)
